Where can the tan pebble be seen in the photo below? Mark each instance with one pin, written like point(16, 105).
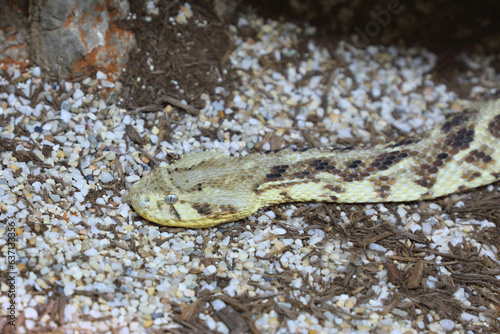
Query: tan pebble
point(104, 307)
point(147, 323)
point(189, 293)
point(151, 291)
point(248, 265)
point(359, 310)
point(280, 132)
point(13, 167)
point(19, 230)
point(312, 331)
point(277, 247)
point(168, 109)
point(60, 154)
point(4, 105)
point(350, 303)
point(21, 266)
point(83, 232)
point(49, 138)
point(42, 283)
point(145, 159)
point(33, 241)
point(155, 130)
point(188, 12)
point(455, 106)
point(274, 322)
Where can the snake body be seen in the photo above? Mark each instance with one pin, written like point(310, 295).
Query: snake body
point(203, 189)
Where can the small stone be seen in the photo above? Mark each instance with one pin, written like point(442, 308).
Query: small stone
point(30, 313)
point(55, 198)
point(36, 71)
point(277, 247)
point(447, 324)
point(189, 293)
point(111, 156)
point(101, 75)
point(106, 177)
point(107, 84)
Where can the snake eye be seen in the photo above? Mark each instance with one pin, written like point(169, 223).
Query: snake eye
point(170, 199)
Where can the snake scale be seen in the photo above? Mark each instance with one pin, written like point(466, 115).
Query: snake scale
point(203, 189)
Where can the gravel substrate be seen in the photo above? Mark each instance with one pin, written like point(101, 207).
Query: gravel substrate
point(86, 261)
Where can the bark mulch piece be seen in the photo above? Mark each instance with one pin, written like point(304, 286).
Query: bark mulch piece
point(174, 63)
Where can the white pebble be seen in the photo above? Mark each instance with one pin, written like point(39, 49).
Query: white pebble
point(30, 313)
point(91, 252)
point(78, 94)
point(426, 228)
point(415, 217)
point(402, 212)
point(211, 269)
point(278, 231)
point(65, 116)
point(107, 84)
point(36, 71)
point(447, 324)
point(106, 177)
point(101, 75)
point(218, 305)
point(11, 100)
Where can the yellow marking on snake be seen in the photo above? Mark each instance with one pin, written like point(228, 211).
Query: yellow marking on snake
point(203, 189)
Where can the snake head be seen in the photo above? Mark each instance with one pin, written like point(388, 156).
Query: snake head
point(151, 199)
point(193, 195)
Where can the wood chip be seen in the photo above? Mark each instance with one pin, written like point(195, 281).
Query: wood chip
point(233, 320)
point(416, 275)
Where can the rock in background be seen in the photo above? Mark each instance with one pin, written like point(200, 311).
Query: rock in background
point(66, 38)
